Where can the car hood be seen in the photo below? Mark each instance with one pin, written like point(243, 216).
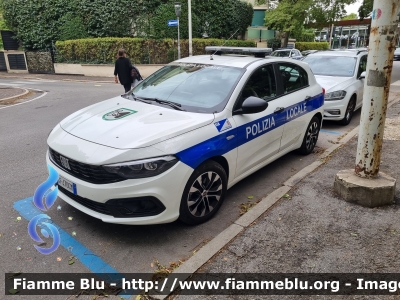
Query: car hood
point(128, 124)
point(330, 83)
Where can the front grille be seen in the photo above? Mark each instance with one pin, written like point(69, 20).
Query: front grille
point(96, 206)
point(88, 173)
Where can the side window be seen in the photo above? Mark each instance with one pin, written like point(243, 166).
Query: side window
point(363, 65)
point(261, 84)
point(293, 77)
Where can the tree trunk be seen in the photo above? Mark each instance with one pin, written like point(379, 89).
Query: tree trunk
point(285, 40)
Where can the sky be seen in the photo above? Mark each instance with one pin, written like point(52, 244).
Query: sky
point(353, 8)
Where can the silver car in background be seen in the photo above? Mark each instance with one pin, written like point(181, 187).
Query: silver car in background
point(341, 74)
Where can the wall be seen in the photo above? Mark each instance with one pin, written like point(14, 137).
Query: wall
point(100, 70)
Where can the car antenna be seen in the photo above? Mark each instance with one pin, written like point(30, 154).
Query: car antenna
point(211, 56)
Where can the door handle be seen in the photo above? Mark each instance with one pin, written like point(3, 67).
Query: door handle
point(278, 110)
point(308, 98)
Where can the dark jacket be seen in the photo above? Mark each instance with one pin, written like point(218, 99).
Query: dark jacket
point(123, 69)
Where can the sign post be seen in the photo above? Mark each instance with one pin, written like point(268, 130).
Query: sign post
point(178, 13)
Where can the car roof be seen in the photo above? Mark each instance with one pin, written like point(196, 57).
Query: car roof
point(229, 60)
point(350, 53)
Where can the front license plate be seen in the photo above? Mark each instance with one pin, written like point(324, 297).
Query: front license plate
point(66, 184)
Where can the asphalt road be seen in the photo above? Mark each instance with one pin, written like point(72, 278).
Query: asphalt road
point(132, 249)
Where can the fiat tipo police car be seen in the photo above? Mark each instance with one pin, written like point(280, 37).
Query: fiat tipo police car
point(172, 146)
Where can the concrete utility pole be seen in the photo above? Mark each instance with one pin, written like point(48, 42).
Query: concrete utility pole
point(365, 185)
point(190, 27)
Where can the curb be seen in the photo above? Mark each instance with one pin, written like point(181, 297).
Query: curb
point(16, 96)
point(190, 266)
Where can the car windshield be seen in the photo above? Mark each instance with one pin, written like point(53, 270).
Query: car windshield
point(280, 53)
point(194, 87)
point(397, 51)
point(342, 66)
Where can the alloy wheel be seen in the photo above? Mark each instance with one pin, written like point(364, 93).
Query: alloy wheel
point(312, 135)
point(204, 194)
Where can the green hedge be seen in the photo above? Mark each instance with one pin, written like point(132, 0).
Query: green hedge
point(302, 46)
point(140, 51)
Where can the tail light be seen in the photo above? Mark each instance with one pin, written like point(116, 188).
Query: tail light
point(323, 91)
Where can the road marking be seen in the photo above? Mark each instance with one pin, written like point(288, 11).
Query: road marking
point(9, 84)
point(44, 94)
point(89, 259)
point(330, 132)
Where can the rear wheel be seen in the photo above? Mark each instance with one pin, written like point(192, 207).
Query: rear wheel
point(349, 112)
point(311, 136)
point(203, 194)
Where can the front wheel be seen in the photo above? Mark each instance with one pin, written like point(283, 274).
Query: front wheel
point(311, 136)
point(349, 112)
point(203, 193)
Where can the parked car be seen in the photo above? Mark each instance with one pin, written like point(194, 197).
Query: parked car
point(397, 54)
point(341, 74)
point(172, 146)
point(307, 52)
point(291, 53)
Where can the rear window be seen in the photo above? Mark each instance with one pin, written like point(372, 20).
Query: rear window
point(281, 53)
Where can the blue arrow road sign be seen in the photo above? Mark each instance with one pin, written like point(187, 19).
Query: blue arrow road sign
point(172, 22)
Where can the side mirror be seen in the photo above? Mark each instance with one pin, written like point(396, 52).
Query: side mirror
point(362, 76)
point(251, 105)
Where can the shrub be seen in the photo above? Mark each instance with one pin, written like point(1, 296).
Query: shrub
point(140, 51)
point(274, 43)
point(302, 46)
point(304, 37)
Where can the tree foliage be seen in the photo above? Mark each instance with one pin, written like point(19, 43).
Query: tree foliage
point(352, 16)
point(291, 15)
point(2, 26)
point(72, 28)
point(222, 18)
point(39, 23)
point(365, 9)
point(327, 11)
point(166, 12)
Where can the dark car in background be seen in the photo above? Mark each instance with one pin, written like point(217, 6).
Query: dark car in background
point(397, 54)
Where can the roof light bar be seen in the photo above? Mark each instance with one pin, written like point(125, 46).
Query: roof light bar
point(257, 52)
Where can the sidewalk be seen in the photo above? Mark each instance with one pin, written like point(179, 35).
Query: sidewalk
point(313, 231)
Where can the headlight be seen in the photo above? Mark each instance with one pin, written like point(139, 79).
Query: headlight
point(142, 168)
point(338, 95)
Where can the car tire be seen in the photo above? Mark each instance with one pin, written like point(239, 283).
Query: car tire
point(311, 136)
point(349, 112)
point(203, 194)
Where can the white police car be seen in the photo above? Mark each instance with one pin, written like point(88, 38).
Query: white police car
point(172, 146)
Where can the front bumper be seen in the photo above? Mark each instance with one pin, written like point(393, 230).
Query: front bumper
point(167, 188)
point(335, 110)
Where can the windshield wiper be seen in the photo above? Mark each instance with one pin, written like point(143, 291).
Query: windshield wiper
point(136, 98)
point(174, 105)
